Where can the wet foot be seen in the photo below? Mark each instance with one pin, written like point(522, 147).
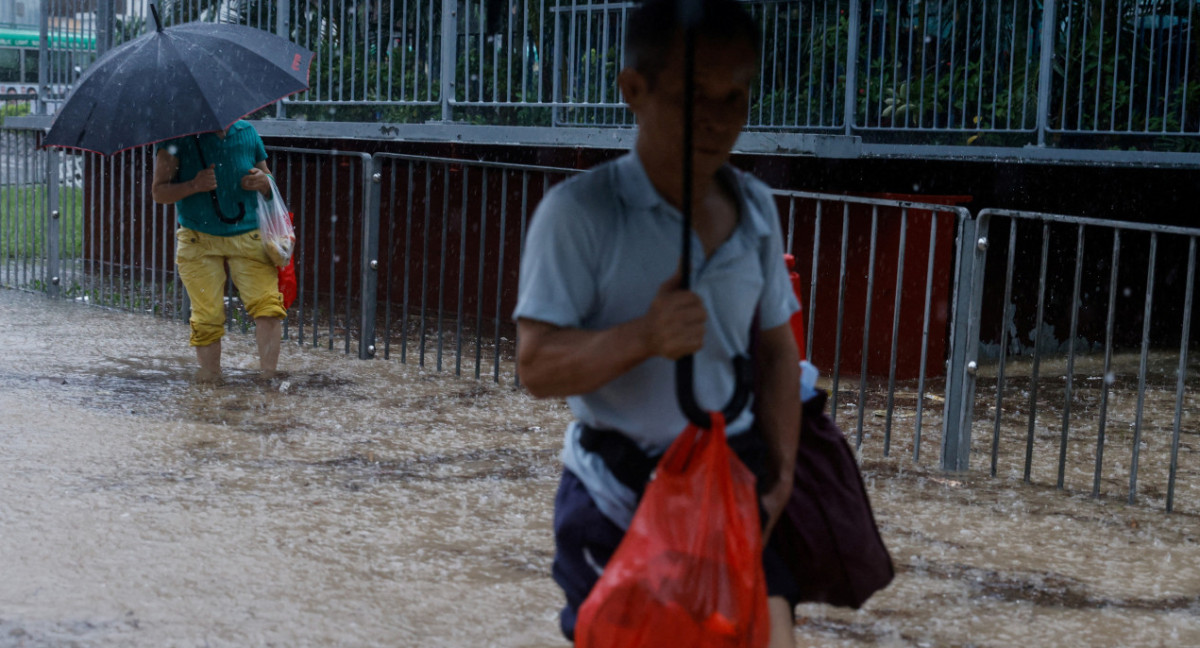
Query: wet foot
point(270, 376)
point(208, 377)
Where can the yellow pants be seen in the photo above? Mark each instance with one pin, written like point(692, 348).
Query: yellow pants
point(201, 259)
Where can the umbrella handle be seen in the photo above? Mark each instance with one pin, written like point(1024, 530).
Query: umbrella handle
point(213, 194)
point(684, 367)
point(743, 376)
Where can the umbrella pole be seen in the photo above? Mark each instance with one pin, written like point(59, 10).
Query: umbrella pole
point(684, 367)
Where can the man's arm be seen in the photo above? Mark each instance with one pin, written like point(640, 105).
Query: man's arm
point(779, 412)
point(164, 190)
point(558, 361)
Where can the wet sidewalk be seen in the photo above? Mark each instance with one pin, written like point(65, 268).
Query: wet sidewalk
point(371, 503)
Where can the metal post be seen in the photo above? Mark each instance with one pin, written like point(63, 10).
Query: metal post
point(960, 372)
point(43, 85)
point(852, 67)
point(369, 297)
point(53, 267)
point(105, 24)
point(449, 54)
point(556, 70)
point(283, 21)
point(1047, 69)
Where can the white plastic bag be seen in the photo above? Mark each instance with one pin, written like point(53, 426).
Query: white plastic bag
point(275, 227)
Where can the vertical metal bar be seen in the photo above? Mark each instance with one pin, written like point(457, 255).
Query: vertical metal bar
point(43, 58)
point(389, 256)
point(525, 46)
point(791, 230)
point(1187, 62)
point(429, 48)
point(925, 323)
point(425, 263)
point(283, 19)
point(500, 273)
point(556, 71)
point(520, 255)
point(959, 407)
point(841, 316)
point(449, 54)
point(1044, 79)
point(1066, 67)
point(1112, 118)
point(336, 255)
point(1099, 69)
point(52, 218)
point(811, 306)
point(404, 57)
point(891, 398)
point(908, 61)
point(937, 60)
point(1009, 313)
point(966, 85)
point(1150, 58)
point(851, 77)
point(1037, 350)
point(143, 169)
point(1133, 66)
point(408, 228)
point(924, 64)
point(441, 308)
point(1141, 399)
point(1181, 373)
point(1108, 351)
point(866, 337)
point(372, 168)
point(301, 278)
point(483, 204)
point(462, 274)
point(482, 51)
point(1070, 378)
point(787, 69)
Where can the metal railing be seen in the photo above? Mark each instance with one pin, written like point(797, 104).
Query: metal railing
point(1086, 347)
point(416, 258)
point(1083, 74)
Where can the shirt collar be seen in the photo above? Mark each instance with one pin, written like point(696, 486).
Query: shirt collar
point(637, 192)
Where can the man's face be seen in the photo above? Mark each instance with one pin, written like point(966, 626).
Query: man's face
point(723, 73)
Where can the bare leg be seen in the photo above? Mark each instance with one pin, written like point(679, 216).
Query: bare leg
point(783, 628)
point(267, 332)
point(210, 362)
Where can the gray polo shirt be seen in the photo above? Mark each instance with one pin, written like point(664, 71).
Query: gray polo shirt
point(598, 247)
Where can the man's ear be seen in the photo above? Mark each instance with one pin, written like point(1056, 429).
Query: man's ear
point(633, 88)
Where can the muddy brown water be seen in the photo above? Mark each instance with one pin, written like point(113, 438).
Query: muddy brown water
point(371, 503)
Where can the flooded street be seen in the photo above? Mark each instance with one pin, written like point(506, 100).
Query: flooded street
point(369, 503)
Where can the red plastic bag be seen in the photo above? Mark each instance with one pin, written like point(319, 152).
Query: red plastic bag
point(689, 570)
point(287, 276)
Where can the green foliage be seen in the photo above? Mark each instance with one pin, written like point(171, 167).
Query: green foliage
point(24, 217)
point(14, 109)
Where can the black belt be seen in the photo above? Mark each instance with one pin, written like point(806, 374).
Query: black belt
point(631, 466)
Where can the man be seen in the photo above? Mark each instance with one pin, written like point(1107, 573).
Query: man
point(601, 317)
point(208, 239)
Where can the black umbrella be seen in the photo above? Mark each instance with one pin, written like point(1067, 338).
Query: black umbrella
point(187, 79)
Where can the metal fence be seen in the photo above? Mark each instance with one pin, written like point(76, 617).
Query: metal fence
point(1080, 353)
point(1086, 74)
point(1057, 347)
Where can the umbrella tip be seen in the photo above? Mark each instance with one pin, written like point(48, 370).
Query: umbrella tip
point(154, 10)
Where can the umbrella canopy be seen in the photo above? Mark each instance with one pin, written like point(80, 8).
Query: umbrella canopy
point(190, 78)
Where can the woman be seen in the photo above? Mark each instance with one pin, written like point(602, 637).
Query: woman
point(212, 179)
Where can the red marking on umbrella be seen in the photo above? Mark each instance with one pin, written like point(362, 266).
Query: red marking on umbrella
point(296, 63)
